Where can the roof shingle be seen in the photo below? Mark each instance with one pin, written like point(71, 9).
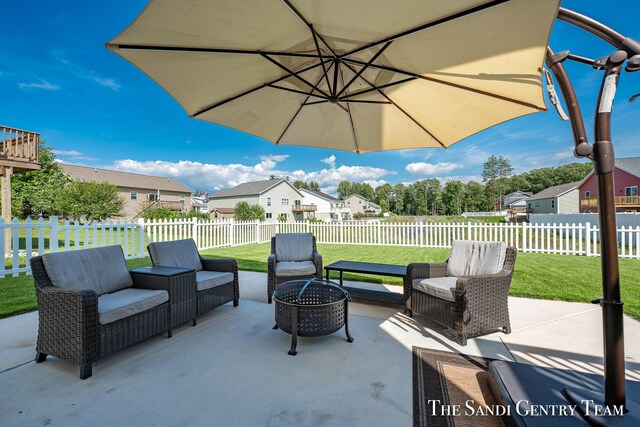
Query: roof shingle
point(123, 179)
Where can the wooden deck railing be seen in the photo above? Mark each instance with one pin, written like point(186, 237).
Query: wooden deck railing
point(19, 145)
point(304, 208)
point(621, 201)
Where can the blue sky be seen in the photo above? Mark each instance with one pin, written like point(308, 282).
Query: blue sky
point(58, 79)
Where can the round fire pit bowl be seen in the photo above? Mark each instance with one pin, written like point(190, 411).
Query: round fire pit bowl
point(311, 308)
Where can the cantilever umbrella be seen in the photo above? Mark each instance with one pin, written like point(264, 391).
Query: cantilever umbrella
point(358, 75)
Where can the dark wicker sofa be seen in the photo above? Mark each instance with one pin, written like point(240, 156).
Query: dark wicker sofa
point(293, 256)
point(472, 305)
point(71, 326)
point(216, 279)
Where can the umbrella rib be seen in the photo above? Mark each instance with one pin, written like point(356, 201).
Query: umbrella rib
point(401, 109)
point(316, 102)
point(218, 104)
point(208, 50)
point(428, 25)
point(293, 74)
point(309, 25)
point(353, 127)
point(353, 79)
point(298, 112)
point(362, 92)
point(294, 91)
point(446, 83)
point(324, 68)
point(363, 101)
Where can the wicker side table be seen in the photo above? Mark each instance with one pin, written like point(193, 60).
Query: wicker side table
point(180, 283)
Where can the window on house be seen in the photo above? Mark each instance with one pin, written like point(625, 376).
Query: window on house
point(536, 205)
point(587, 194)
point(134, 195)
point(631, 191)
point(553, 204)
point(268, 215)
point(285, 202)
point(153, 197)
point(268, 201)
point(296, 202)
point(182, 198)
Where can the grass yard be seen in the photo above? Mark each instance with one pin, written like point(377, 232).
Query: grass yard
point(540, 276)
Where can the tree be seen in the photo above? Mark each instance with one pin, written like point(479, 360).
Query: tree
point(344, 189)
point(398, 199)
point(90, 201)
point(433, 195)
point(382, 196)
point(313, 186)
point(495, 171)
point(38, 192)
point(452, 197)
point(474, 198)
point(246, 212)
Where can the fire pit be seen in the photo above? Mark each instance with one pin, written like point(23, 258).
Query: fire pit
point(311, 308)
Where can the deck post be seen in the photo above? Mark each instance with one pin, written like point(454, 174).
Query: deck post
point(6, 171)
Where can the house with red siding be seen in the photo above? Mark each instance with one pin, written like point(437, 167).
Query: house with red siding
point(626, 179)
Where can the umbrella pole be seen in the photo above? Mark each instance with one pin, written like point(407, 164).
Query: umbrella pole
point(604, 164)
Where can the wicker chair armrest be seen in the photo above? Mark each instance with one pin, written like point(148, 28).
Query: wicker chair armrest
point(68, 323)
point(219, 264)
point(425, 270)
point(486, 283)
point(317, 260)
point(271, 262)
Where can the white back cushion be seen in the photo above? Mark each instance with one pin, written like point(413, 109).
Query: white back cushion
point(471, 258)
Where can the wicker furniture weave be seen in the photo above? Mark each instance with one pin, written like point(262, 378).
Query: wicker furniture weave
point(68, 326)
point(481, 302)
point(180, 284)
point(216, 296)
point(274, 281)
point(311, 308)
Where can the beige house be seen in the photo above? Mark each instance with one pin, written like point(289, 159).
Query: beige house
point(278, 197)
point(557, 199)
point(359, 205)
point(136, 189)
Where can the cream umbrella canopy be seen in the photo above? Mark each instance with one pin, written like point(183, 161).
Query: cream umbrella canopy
point(358, 75)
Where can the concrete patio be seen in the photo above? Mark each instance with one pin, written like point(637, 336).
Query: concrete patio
point(232, 368)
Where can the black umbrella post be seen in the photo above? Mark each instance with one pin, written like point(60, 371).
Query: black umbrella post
point(628, 50)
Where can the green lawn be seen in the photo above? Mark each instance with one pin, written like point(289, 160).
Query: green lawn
point(541, 276)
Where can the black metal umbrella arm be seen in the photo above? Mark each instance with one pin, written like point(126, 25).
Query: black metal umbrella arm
point(602, 155)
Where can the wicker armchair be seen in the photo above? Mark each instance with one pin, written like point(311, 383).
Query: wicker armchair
point(292, 259)
point(216, 279)
point(69, 324)
point(478, 304)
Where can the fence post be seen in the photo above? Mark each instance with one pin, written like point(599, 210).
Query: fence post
point(141, 234)
point(421, 236)
point(587, 239)
point(258, 236)
point(194, 231)
point(53, 234)
point(468, 231)
point(232, 233)
point(341, 233)
point(523, 235)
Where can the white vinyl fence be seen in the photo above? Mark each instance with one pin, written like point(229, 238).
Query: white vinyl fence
point(31, 238)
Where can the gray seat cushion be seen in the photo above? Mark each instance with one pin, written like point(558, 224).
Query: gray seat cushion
point(471, 258)
point(103, 270)
point(177, 253)
point(295, 268)
point(127, 302)
point(210, 279)
point(439, 287)
point(294, 246)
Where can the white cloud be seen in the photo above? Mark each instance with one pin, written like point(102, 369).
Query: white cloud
point(331, 161)
point(209, 176)
point(564, 155)
point(67, 153)
point(106, 82)
point(422, 168)
point(44, 85)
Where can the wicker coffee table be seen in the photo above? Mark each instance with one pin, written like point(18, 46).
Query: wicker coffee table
point(311, 308)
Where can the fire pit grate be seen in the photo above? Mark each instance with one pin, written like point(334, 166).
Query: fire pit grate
point(311, 308)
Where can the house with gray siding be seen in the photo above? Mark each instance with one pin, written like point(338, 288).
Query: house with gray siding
point(278, 197)
point(557, 199)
